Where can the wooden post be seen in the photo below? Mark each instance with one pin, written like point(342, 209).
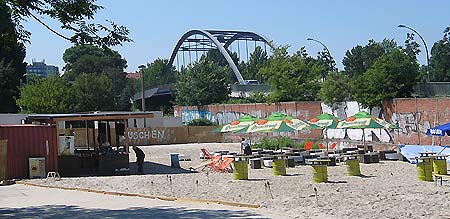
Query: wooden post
point(87, 134)
point(126, 136)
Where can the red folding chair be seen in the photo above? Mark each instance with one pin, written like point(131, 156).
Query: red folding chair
point(206, 153)
point(225, 166)
point(322, 146)
point(333, 145)
point(215, 162)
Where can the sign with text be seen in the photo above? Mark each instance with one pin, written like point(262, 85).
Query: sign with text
point(156, 135)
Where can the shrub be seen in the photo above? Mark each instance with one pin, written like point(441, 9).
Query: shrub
point(277, 143)
point(200, 122)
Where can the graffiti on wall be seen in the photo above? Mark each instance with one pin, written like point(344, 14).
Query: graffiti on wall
point(411, 122)
point(223, 118)
point(189, 115)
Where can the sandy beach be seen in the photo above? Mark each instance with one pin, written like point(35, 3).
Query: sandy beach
point(389, 189)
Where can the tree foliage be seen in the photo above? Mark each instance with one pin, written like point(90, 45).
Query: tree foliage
point(74, 16)
point(327, 60)
point(12, 67)
point(440, 58)
point(360, 58)
point(158, 72)
point(46, 95)
point(335, 89)
point(392, 75)
point(251, 70)
point(93, 93)
point(203, 83)
point(292, 77)
point(82, 59)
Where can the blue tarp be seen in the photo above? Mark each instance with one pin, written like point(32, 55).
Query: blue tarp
point(439, 130)
point(410, 152)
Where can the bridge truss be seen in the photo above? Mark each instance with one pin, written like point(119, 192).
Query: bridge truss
point(195, 43)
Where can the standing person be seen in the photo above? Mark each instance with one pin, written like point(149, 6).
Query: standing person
point(140, 155)
point(246, 147)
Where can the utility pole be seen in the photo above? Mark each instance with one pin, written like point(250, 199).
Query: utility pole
point(141, 70)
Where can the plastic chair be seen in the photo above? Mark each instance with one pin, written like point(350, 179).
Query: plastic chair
point(206, 153)
point(308, 145)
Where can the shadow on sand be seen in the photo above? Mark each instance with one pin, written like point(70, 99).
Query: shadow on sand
point(157, 168)
point(366, 176)
point(71, 211)
point(336, 182)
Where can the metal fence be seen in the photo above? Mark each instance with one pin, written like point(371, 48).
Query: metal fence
point(432, 89)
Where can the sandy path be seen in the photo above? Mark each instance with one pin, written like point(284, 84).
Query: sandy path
point(389, 190)
point(20, 201)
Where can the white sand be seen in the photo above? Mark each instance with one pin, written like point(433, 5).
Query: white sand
point(389, 190)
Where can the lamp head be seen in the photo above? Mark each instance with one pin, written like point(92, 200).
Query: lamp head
point(401, 25)
point(310, 39)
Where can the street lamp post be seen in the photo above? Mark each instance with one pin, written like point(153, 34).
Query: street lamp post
point(326, 48)
point(141, 69)
point(328, 51)
point(424, 44)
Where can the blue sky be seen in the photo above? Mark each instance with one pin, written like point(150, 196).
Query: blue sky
point(156, 26)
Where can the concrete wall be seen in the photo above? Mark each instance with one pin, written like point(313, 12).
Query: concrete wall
point(413, 116)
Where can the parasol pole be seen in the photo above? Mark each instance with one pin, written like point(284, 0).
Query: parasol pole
point(326, 138)
point(364, 139)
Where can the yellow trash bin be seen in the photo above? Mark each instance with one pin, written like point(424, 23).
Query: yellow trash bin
point(353, 168)
point(279, 167)
point(240, 171)
point(440, 165)
point(424, 169)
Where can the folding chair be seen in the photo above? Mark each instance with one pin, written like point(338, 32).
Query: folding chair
point(206, 153)
point(225, 166)
point(322, 146)
point(333, 145)
point(215, 162)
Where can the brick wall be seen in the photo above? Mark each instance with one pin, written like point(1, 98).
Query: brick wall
point(413, 116)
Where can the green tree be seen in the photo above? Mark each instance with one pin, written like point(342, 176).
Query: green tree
point(335, 89)
point(292, 78)
point(361, 58)
point(93, 93)
point(92, 59)
point(251, 70)
point(12, 67)
point(202, 83)
point(325, 58)
point(98, 61)
point(440, 58)
point(74, 16)
point(393, 75)
point(46, 95)
point(158, 73)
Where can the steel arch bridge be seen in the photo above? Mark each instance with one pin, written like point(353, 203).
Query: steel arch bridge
point(206, 40)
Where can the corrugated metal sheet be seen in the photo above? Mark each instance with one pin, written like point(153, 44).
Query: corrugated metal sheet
point(26, 141)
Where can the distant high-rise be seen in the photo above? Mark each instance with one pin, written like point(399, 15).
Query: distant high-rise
point(42, 70)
